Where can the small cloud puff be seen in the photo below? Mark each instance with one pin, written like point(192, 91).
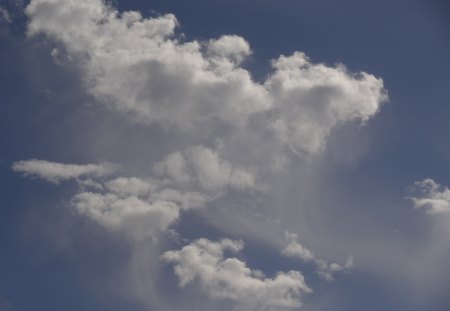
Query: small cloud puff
point(431, 196)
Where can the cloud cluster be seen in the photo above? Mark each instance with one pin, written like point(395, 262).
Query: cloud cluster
point(431, 196)
point(325, 269)
point(138, 66)
point(142, 208)
point(230, 278)
point(143, 68)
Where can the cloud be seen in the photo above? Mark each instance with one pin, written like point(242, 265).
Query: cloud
point(432, 197)
point(230, 278)
point(233, 48)
point(202, 94)
point(4, 16)
point(325, 269)
point(56, 172)
point(131, 215)
point(310, 99)
point(206, 169)
point(142, 208)
point(138, 66)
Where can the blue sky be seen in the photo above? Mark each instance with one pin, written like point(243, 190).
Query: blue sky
point(238, 155)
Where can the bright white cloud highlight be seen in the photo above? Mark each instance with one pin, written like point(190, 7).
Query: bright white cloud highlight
point(232, 48)
point(138, 66)
point(431, 196)
point(310, 99)
point(230, 278)
point(57, 172)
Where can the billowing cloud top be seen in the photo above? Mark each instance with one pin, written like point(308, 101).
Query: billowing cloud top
point(138, 66)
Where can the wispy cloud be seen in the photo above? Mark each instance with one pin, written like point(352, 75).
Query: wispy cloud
point(57, 172)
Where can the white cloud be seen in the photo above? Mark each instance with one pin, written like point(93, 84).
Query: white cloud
point(310, 99)
point(231, 278)
point(295, 249)
point(205, 168)
point(138, 66)
point(233, 48)
point(138, 207)
point(142, 68)
point(57, 172)
point(325, 269)
point(432, 197)
point(131, 215)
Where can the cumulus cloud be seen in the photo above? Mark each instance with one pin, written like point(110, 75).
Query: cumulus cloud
point(131, 215)
point(230, 278)
point(139, 207)
point(138, 66)
point(57, 172)
point(232, 48)
point(325, 269)
point(310, 99)
point(431, 196)
point(143, 68)
point(295, 249)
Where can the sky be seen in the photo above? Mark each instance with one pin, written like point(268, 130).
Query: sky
point(224, 155)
